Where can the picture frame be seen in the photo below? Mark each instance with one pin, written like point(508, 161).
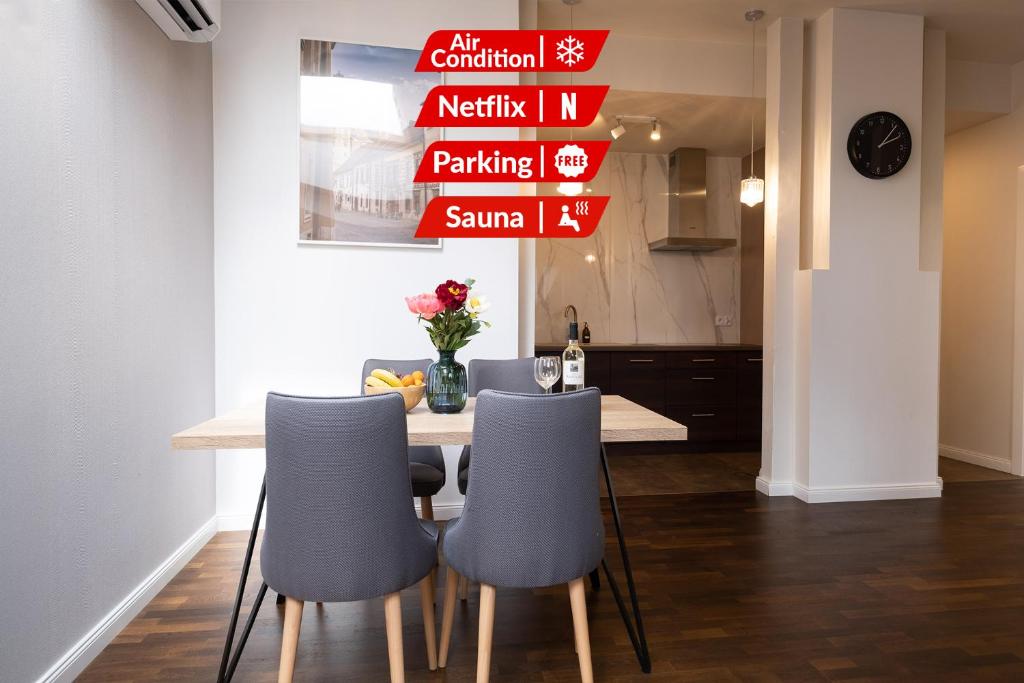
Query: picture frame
point(359, 146)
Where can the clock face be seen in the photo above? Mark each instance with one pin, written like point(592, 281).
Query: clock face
point(879, 145)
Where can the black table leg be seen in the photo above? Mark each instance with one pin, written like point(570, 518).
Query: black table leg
point(224, 674)
point(595, 579)
point(636, 636)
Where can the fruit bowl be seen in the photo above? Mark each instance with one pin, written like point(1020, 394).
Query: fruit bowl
point(412, 395)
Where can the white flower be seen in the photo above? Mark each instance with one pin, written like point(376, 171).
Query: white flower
point(477, 303)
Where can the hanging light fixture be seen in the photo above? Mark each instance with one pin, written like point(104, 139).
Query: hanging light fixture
point(655, 130)
point(570, 189)
point(752, 188)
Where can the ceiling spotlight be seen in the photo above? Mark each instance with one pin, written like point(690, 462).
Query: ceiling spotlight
point(569, 189)
point(619, 130)
point(655, 130)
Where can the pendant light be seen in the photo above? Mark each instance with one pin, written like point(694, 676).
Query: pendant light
point(752, 188)
point(570, 189)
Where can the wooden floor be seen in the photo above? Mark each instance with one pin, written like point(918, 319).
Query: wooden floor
point(735, 587)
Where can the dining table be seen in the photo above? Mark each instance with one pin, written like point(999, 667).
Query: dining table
point(622, 421)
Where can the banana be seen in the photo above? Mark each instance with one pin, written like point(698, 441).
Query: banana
point(386, 376)
point(372, 381)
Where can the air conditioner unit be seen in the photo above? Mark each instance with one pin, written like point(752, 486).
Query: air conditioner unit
point(196, 21)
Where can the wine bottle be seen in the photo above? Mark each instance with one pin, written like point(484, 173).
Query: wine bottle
point(586, 333)
point(572, 361)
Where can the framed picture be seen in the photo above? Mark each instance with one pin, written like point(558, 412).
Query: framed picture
point(359, 145)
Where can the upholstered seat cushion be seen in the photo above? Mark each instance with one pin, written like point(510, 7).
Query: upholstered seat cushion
point(426, 469)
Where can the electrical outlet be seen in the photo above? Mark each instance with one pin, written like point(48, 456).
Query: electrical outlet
point(723, 321)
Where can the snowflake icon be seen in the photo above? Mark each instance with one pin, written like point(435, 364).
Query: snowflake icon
point(569, 51)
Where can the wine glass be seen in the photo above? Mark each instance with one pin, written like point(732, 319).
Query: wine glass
point(547, 370)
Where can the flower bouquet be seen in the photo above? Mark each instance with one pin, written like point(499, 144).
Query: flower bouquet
point(452, 316)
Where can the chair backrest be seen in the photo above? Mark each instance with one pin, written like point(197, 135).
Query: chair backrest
point(402, 367)
point(340, 520)
point(532, 516)
point(503, 375)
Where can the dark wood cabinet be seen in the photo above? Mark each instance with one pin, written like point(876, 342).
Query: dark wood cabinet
point(714, 390)
point(640, 377)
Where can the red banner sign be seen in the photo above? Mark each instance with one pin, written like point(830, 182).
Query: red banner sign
point(456, 161)
point(559, 217)
point(511, 50)
point(511, 105)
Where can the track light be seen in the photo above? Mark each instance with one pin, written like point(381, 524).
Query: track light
point(619, 130)
point(569, 189)
point(655, 130)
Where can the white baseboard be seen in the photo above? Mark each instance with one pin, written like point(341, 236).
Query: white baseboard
point(975, 458)
point(773, 488)
point(445, 512)
point(243, 521)
point(74, 661)
point(842, 494)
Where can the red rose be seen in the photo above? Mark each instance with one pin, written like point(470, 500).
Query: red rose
point(452, 294)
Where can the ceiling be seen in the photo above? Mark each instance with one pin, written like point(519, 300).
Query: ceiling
point(976, 30)
point(719, 124)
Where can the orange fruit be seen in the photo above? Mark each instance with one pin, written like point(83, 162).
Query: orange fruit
point(418, 374)
point(408, 381)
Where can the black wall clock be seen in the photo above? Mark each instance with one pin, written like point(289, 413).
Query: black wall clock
point(879, 145)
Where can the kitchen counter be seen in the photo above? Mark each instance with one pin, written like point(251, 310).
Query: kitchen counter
point(713, 389)
point(617, 346)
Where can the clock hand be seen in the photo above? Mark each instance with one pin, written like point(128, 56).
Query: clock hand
point(886, 142)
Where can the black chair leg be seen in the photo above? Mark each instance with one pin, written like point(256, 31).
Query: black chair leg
point(595, 579)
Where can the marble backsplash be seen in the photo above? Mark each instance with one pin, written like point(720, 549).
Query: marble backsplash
point(627, 293)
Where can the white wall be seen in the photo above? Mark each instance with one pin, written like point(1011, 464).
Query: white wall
point(981, 239)
point(106, 303)
point(303, 318)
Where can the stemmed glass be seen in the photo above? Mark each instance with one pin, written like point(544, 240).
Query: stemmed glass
point(547, 370)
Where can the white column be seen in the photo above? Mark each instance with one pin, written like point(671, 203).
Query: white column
point(784, 94)
point(872, 327)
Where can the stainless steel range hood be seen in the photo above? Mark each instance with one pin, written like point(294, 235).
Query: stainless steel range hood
point(687, 205)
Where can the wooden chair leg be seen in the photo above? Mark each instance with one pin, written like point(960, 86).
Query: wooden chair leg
point(463, 588)
point(486, 637)
point(578, 600)
point(429, 632)
point(393, 621)
point(427, 510)
point(290, 639)
point(451, 582)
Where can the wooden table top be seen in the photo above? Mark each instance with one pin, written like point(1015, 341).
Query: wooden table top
point(621, 421)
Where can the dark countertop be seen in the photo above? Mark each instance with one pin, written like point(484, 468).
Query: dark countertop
point(598, 346)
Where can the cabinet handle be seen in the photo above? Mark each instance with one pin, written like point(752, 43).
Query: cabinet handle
point(703, 415)
point(753, 360)
point(641, 360)
point(704, 379)
point(704, 360)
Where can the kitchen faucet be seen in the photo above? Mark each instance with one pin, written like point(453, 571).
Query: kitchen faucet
point(572, 308)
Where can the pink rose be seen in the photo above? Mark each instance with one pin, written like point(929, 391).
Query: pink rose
point(424, 305)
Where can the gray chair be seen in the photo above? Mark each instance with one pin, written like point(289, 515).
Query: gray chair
point(504, 375)
point(341, 525)
point(426, 463)
point(533, 517)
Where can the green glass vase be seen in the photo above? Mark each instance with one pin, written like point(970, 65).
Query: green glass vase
point(447, 384)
